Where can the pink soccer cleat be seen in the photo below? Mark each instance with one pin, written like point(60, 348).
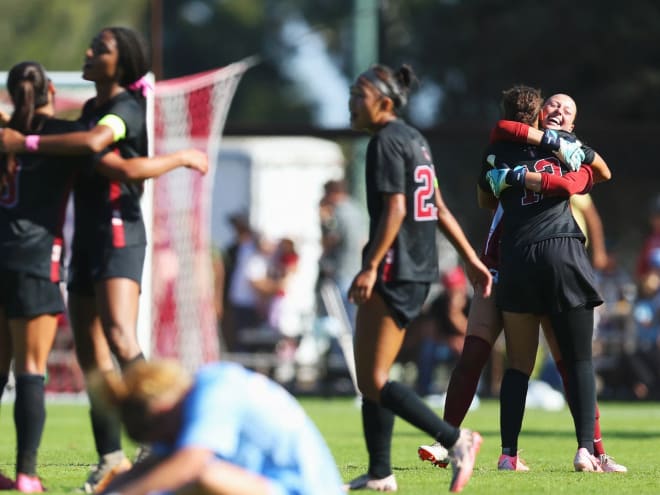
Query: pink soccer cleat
point(586, 462)
point(511, 463)
point(609, 465)
point(28, 484)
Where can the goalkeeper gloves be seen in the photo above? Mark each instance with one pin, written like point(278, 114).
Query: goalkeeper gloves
point(501, 178)
point(569, 152)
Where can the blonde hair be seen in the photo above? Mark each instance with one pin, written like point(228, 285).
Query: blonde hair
point(141, 390)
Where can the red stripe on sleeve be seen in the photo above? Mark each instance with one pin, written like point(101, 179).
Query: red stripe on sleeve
point(118, 234)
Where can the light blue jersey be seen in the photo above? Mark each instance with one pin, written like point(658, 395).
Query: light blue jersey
point(251, 421)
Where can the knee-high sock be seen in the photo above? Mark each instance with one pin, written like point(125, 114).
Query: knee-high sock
point(29, 419)
point(574, 330)
point(405, 403)
point(599, 447)
point(465, 379)
point(377, 425)
point(106, 427)
point(513, 394)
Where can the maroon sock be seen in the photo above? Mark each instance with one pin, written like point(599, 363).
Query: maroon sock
point(465, 378)
point(599, 448)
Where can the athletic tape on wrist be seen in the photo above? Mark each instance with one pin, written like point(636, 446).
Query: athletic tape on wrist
point(32, 142)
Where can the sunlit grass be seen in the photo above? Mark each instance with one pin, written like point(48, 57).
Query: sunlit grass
point(631, 434)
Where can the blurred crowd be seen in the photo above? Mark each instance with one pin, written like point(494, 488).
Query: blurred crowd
point(261, 326)
point(260, 322)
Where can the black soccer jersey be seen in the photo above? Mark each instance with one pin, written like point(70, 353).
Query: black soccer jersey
point(529, 216)
point(33, 197)
point(107, 212)
point(399, 161)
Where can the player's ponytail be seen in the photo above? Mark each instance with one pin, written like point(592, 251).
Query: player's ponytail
point(405, 78)
point(27, 85)
point(394, 85)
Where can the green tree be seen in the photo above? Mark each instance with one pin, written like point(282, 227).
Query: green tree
point(57, 32)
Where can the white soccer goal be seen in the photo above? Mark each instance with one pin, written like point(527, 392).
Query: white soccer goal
point(190, 112)
point(176, 316)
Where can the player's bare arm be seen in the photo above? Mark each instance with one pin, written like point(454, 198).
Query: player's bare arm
point(386, 232)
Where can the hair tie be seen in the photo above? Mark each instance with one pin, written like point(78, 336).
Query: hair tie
point(142, 85)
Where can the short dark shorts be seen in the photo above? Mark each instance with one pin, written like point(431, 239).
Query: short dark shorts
point(86, 270)
point(546, 277)
point(404, 299)
point(28, 296)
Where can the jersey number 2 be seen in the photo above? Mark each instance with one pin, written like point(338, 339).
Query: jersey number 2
point(425, 208)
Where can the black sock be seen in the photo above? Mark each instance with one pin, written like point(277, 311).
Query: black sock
point(125, 364)
point(378, 424)
point(513, 394)
point(574, 330)
point(405, 403)
point(106, 427)
point(29, 419)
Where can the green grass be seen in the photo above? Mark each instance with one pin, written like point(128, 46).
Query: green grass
point(631, 434)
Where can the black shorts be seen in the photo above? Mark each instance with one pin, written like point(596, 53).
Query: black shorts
point(403, 298)
point(85, 269)
point(27, 296)
point(546, 277)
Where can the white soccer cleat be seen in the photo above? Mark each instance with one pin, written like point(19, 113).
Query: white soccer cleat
point(463, 455)
point(435, 454)
point(367, 482)
point(585, 462)
point(609, 465)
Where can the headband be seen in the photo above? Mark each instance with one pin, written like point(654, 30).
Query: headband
point(384, 87)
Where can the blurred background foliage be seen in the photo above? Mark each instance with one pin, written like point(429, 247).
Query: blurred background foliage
point(605, 53)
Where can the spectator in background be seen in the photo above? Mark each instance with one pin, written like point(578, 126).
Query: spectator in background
point(642, 365)
point(284, 315)
point(245, 263)
point(647, 276)
point(343, 234)
point(444, 332)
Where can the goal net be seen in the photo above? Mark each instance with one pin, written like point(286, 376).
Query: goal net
point(189, 112)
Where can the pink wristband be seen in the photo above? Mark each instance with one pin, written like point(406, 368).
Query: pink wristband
point(32, 142)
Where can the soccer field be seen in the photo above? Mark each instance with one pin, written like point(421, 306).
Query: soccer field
point(631, 434)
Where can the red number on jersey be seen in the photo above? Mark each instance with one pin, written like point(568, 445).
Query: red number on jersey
point(425, 208)
point(549, 165)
